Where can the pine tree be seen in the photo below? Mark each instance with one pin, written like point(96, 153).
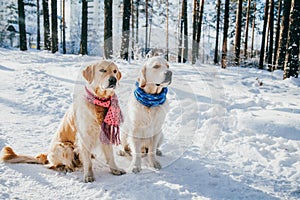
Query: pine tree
point(247, 29)
point(54, 34)
point(283, 33)
point(253, 30)
point(38, 34)
point(271, 29)
point(84, 28)
point(199, 27)
point(47, 41)
point(195, 23)
point(125, 29)
point(238, 31)
point(64, 26)
point(225, 34)
point(277, 33)
point(108, 42)
point(22, 26)
point(185, 31)
point(217, 32)
point(291, 64)
point(262, 48)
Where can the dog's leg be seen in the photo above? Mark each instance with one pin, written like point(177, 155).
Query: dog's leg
point(136, 156)
point(109, 156)
point(152, 155)
point(86, 157)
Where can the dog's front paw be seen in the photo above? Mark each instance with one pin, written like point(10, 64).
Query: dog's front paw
point(136, 169)
point(88, 179)
point(117, 172)
point(156, 165)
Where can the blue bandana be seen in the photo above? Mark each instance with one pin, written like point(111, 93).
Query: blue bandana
point(150, 100)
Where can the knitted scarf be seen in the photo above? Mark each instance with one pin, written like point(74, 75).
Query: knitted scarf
point(110, 133)
point(150, 100)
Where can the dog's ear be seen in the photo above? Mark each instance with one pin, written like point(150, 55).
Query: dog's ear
point(119, 75)
point(88, 73)
point(142, 78)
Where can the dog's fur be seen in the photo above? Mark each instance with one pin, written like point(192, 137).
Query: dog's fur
point(142, 129)
point(78, 133)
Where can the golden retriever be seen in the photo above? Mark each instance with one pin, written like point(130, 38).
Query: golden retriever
point(83, 127)
point(147, 109)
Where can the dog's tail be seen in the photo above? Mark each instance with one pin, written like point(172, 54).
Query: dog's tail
point(9, 156)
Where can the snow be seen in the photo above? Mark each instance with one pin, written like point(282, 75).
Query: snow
point(226, 135)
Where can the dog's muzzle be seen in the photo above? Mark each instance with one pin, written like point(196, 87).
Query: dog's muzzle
point(168, 77)
point(112, 82)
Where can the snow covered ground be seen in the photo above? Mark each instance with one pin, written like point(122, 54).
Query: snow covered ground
point(226, 137)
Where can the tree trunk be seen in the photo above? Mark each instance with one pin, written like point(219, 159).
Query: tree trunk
point(137, 21)
point(84, 28)
point(47, 41)
point(195, 23)
point(185, 31)
point(271, 28)
point(291, 63)
point(132, 28)
point(225, 34)
point(246, 29)
point(22, 26)
point(167, 30)
point(64, 26)
point(253, 30)
point(125, 29)
point(237, 44)
point(216, 60)
point(38, 34)
point(108, 40)
point(180, 35)
point(199, 26)
point(54, 34)
point(283, 33)
point(277, 34)
point(263, 40)
point(146, 33)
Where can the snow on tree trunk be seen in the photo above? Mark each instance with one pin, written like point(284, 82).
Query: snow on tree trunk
point(291, 64)
point(47, 41)
point(125, 29)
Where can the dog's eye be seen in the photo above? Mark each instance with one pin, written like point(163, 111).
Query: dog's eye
point(102, 70)
point(115, 71)
point(156, 66)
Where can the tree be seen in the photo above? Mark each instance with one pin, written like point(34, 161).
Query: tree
point(238, 30)
point(63, 26)
point(195, 23)
point(217, 31)
point(22, 26)
point(167, 30)
point(54, 34)
point(277, 33)
point(283, 33)
point(225, 34)
point(47, 41)
point(38, 37)
point(199, 26)
point(247, 28)
point(262, 47)
point(125, 29)
point(183, 28)
point(146, 26)
point(291, 64)
point(108, 42)
point(84, 28)
point(253, 30)
point(271, 29)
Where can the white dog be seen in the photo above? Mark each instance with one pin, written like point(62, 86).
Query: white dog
point(92, 121)
point(147, 109)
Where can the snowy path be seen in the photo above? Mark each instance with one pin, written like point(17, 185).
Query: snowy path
point(226, 136)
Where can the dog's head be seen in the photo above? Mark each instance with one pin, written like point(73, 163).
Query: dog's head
point(155, 75)
point(102, 77)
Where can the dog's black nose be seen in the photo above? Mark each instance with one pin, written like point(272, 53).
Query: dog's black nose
point(168, 74)
point(112, 81)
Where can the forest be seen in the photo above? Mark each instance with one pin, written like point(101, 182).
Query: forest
point(241, 32)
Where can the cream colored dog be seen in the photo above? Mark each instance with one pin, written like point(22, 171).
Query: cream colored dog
point(147, 109)
point(80, 130)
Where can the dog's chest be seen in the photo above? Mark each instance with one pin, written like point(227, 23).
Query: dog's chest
point(100, 113)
